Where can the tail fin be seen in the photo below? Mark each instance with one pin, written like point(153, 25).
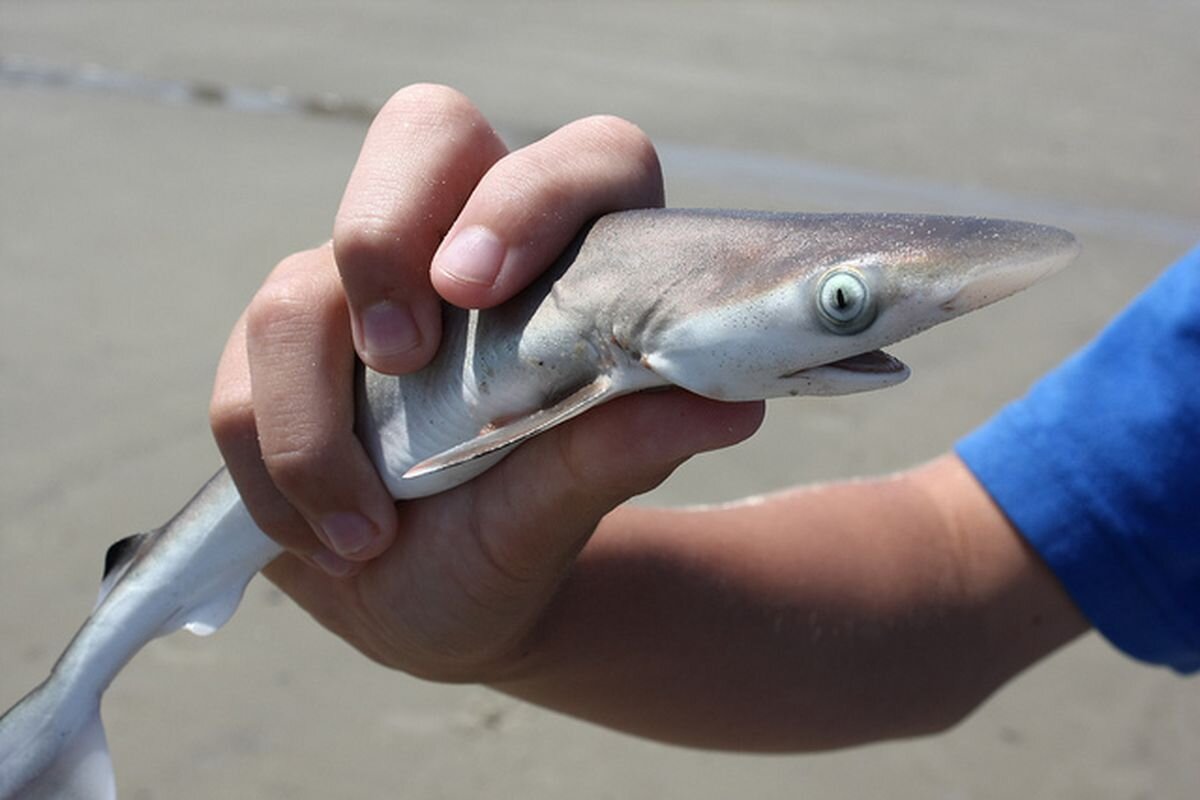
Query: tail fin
point(51, 747)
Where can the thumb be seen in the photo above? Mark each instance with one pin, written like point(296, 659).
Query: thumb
point(630, 446)
point(557, 487)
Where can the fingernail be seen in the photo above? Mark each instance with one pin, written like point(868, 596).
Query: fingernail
point(389, 329)
point(334, 566)
point(474, 255)
point(347, 533)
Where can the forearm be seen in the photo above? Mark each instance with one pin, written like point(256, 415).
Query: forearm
point(817, 618)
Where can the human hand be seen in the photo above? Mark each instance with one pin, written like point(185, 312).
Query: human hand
point(444, 586)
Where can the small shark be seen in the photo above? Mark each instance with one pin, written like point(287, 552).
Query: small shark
point(730, 305)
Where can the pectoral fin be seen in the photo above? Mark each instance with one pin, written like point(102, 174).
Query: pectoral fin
point(519, 429)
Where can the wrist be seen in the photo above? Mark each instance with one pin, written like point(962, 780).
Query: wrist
point(1020, 610)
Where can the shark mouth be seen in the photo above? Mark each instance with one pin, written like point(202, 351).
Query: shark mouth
point(873, 362)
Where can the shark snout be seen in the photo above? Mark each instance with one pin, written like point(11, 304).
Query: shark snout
point(1015, 256)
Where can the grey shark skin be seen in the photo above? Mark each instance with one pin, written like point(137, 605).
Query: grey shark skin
point(730, 305)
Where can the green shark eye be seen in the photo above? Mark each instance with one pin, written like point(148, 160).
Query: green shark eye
point(844, 302)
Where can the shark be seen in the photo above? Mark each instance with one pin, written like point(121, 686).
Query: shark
point(731, 305)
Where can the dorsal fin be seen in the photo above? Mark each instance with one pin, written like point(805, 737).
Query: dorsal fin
point(121, 552)
point(117, 558)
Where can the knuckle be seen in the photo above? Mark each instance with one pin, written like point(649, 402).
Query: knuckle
point(430, 104)
point(295, 462)
point(230, 417)
point(390, 214)
point(594, 164)
point(615, 130)
point(573, 465)
point(598, 483)
point(530, 182)
point(281, 522)
point(505, 570)
point(622, 137)
point(289, 295)
point(364, 242)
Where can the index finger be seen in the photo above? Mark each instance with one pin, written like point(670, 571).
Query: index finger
point(422, 157)
point(532, 202)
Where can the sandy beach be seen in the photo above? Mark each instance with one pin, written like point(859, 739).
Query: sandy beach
point(156, 160)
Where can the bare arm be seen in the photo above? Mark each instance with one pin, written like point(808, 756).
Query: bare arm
point(817, 618)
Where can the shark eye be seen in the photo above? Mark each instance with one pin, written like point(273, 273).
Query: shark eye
point(844, 302)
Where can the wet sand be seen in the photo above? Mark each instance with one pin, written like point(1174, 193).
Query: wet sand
point(134, 225)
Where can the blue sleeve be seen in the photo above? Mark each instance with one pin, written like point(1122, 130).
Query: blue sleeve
point(1098, 467)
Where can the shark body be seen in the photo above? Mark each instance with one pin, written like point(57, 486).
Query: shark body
point(729, 305)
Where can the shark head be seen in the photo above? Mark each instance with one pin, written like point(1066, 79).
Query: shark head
point(836, 290)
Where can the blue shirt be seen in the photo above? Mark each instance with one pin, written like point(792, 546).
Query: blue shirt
point(1098, 467)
